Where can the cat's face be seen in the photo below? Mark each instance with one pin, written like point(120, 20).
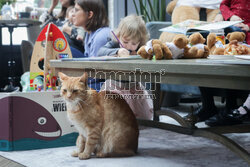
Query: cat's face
point(73, 88)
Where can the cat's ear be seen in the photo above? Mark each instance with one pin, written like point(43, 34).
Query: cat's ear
point(84, 77)
point(62, 76)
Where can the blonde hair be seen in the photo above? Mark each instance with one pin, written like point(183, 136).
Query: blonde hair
point(133, 27)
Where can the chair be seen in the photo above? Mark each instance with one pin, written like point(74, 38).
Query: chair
point(26, 53)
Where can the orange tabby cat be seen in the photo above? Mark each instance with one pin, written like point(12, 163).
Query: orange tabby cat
point(107, 127)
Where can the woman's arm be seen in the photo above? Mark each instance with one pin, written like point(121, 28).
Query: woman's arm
point(225, 9)
point(52, 6)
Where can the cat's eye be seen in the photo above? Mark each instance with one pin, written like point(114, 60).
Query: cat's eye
point(64, 90)
point(75, 91)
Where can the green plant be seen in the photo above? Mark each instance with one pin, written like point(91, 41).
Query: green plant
point(3, 2)
point(151, 10)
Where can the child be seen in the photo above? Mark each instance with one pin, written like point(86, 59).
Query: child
point(59, 19)
point(91, 15)
point(74, 34)
point(131, 34)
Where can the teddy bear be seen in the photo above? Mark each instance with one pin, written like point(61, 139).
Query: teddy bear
point(170, 50)
point(156, 47)
point(235, 48)
point(239, 36)
point(182, 10)
point(197, 40)
point(215, 47)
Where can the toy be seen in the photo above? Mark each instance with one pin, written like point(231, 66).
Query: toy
point(25, 82)
point(50, 44)
point(156, 47)
point(234, 48)
point(239, 36)
point(171, 50)
point(181, 10)
point(197, 40)
point(215, 46)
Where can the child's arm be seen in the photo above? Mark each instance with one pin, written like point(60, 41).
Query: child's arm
point(109, 49)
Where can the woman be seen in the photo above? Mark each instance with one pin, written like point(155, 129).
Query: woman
point(91, 15)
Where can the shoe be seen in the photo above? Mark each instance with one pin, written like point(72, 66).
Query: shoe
point(10, 88)
point(223, 118)
point(201, 114)
point(235, 114)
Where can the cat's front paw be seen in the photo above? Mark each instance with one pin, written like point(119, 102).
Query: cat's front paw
point(75, 154)
point(83, 156)
point(100, 155)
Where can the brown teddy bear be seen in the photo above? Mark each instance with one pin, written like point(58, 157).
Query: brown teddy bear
point(235, 48)
point(156, 47)
point(215, 47)
point(239, 36)
point(197, 40)
point(170, 50)
point(181, 12)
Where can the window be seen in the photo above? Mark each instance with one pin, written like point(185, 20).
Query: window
point(20, 33)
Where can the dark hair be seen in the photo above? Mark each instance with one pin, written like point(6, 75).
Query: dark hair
point(62, 13)
point(99, 18)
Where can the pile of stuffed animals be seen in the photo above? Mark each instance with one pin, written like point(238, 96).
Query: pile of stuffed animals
point(194, 47)
point(172, 46)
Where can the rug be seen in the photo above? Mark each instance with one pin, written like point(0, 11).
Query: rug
point(157, 148)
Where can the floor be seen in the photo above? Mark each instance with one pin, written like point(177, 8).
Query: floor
point(182, 108)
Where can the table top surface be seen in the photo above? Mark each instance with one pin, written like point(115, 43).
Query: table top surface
point(191, 66)
point(219, 73)
point(24, 22)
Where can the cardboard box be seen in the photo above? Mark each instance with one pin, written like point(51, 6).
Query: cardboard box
point(34, 120)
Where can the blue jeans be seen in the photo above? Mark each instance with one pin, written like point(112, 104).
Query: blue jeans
point(232, 29)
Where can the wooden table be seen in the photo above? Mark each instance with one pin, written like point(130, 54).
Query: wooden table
point(199, 72)
point(190, 72)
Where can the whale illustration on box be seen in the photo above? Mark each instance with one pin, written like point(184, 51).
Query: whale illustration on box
point(25, 124)
point(29, 120)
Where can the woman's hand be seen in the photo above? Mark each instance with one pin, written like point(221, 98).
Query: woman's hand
point(235, 18)
point(243, 26)
point(218, 17)
point(123, 52)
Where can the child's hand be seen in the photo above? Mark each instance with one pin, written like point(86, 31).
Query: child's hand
point(133, 53)
point(123, 52)
point(235, 18)
point(66, 29)
point(79, 38)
